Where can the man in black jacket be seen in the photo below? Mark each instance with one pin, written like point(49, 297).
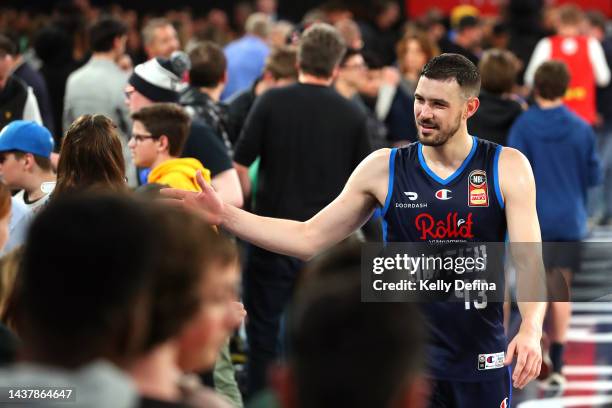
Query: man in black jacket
point(17, 100)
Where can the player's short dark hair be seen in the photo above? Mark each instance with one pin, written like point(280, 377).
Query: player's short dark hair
point(84, 283)
point(448, 66)
point(103, 33)
point(320, 50)
point(208, 65)
point(551, 80)
point(167, 119)
point(330, 329)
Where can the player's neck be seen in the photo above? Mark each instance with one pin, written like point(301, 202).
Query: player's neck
point(452, 153)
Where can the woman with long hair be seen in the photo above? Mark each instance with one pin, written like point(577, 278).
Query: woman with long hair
point(413, 52)
point(91, 157)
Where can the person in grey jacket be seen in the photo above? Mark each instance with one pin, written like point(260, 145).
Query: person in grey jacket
point(98, 86)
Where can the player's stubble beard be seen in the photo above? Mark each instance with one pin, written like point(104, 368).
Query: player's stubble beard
point(442, 136)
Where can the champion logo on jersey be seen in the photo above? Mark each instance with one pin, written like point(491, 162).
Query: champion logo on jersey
point(411, 195)
point(443, 194)
point(504, 403)
point(451, 227)
point(478, 193)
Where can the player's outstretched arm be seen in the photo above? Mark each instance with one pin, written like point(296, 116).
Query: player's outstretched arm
point(366, 188)
point(518, 189)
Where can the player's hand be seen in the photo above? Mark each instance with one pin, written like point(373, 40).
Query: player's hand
point(206, 203)
point(526, 346)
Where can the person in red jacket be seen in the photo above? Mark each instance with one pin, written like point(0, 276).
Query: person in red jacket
point(582, 54)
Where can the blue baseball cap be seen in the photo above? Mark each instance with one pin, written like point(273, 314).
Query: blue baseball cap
point(28, 137)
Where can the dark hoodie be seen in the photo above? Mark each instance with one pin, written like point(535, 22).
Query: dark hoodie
point(494, 117)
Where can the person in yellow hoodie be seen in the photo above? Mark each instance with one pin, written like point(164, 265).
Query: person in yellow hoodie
point(159, 132)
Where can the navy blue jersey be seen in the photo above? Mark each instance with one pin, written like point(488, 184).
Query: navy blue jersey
point(467, 340)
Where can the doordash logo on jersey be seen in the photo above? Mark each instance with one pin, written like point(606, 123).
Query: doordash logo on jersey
point(451, 227)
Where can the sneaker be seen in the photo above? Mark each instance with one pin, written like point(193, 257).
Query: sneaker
point(554, 385)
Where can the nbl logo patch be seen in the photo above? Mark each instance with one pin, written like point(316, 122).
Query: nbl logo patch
point(478, 192)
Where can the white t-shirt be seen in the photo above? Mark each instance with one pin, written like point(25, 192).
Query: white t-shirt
point(37, 205)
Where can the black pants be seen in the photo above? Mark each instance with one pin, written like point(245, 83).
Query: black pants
point(268, 280)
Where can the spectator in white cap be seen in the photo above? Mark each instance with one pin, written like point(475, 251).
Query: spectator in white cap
point(159, 80)
point(25, 165)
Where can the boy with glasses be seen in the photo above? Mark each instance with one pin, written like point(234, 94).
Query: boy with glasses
point(158, 136)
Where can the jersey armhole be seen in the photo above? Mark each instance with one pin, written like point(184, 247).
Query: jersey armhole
point(498, 194)
point(391, 179)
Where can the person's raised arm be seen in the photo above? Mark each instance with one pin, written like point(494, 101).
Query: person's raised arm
point(518, 189)
point(366, 188)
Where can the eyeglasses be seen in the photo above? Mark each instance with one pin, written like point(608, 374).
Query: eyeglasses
point(141, 138)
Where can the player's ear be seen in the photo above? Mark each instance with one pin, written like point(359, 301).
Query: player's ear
point(471, 106)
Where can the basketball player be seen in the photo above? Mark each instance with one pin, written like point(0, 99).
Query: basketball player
point(459, 177)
